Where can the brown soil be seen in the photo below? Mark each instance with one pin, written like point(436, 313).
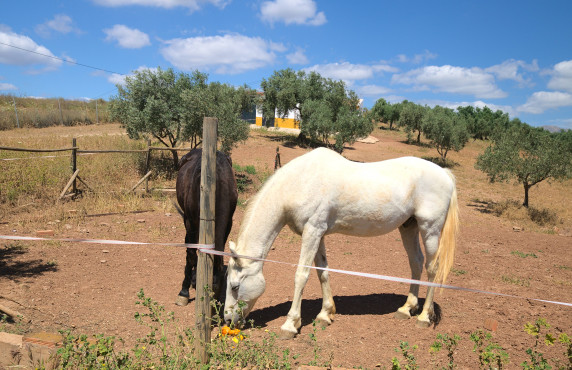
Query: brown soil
point(92, 288)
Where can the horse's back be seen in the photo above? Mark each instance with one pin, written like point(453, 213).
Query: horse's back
point(361, 198)
point(188, 189)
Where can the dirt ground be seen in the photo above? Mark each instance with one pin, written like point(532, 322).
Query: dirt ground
point(92, 288)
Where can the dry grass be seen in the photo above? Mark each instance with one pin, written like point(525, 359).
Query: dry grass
point(30, 186)
point(40, 113)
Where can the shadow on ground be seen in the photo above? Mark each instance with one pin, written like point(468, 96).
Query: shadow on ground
point(370, 304)
point(13, 265)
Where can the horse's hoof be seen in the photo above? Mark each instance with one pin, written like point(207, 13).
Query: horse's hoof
point(323, 322)
point(182, 301)
point(401, 315)
point(285, 335)
point(423, 324)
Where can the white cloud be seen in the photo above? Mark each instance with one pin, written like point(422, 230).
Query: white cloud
point(541, 101)
point(292, 11)
point(276, 46)
point(298, 57)
point(129, 38)
point(393, 99)
point(39, 55)
point(384, 68)
point(192, 5)
point(119, 79)
point(561, 76)
point(451, 79)
point(228, 54)
point(477, 104)
point(372, 90)
point(61, 23)
point(417, 58)
point(509, 70)
point(349, 72)
point(6, 86)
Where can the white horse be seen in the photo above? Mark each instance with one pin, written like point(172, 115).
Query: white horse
point(322, 193)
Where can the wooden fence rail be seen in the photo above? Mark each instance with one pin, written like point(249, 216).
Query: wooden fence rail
point(75, 150)
point(35, 150)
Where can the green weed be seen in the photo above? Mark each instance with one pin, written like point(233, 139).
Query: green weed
point(514, 280)
point(537, 359)
point(523, 255)
point(407, 353)
point(450, 344)
point(491, 354)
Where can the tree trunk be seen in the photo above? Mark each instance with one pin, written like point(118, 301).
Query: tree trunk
point(419, 137)
point(175, 159)
point(526, 187)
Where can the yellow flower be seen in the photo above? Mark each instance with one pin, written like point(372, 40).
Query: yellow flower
point(235, 340)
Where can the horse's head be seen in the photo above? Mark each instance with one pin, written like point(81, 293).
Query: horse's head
point(245, 283)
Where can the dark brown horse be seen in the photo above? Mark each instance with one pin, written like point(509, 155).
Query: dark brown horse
point(188, 197)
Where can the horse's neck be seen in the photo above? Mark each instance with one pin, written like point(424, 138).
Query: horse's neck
point(263, 224)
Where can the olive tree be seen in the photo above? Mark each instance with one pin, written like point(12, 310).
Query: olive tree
point(345, 124)
point(384, 111)
point(223, 102)
point(150, 104)
point(528, 155)
point(482, 123)
point(446, 129)
point(411, 118)
point(326, 107)
point(170, 107)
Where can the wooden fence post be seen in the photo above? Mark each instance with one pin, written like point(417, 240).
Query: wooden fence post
point(147, 163)
point(16, 110)
point(206, 236)
point(74, 163)
point(61, 114)
point(277, 163)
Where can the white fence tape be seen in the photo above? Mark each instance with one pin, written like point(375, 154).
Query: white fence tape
point(204, 247)
point(209, 248)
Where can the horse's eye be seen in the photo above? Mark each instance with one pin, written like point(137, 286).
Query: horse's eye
point(235, 287)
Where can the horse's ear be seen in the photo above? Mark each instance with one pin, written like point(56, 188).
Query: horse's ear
point(232, 247)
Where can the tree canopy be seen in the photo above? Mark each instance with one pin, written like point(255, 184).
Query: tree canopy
point(384, 111)
point(527, 154)
point(483, 122)
point(411, 118)
point(326, 108)
point(171, 106)
point(446, 129)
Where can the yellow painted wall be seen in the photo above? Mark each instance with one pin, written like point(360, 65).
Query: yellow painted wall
point(286, 123)
point(281, 122)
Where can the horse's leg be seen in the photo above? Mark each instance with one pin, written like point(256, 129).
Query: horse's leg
point(328, 307)
point(410, 237)
point(190, 266)
point(310, 242)
point(431, 242)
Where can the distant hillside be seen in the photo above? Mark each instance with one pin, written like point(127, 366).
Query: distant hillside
point(553, 128)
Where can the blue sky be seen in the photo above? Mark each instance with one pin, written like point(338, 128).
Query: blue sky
point(510, 55)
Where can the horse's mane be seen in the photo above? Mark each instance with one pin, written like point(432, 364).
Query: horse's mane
point(252, 201)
